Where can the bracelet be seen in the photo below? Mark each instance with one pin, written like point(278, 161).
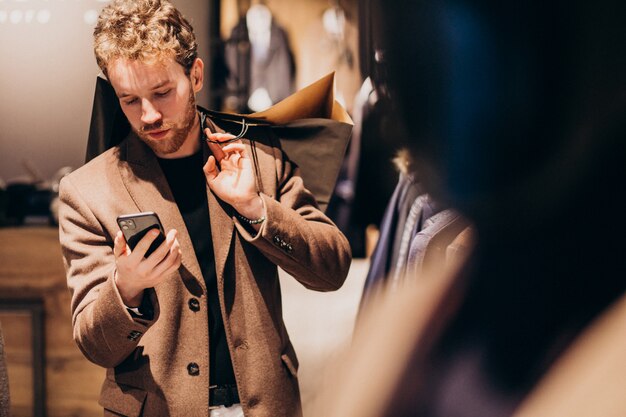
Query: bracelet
point(250, 221)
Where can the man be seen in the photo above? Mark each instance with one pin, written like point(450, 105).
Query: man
point(195, 328)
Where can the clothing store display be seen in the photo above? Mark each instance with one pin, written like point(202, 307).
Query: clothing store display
point(417, 237)
point(381, 259)
point(341, 206)
point(407, 199)
point(260, 62)
point(356, 203)
point(406, 234)
point(438, 243)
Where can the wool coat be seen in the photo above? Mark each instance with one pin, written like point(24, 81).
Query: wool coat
point(152, 365)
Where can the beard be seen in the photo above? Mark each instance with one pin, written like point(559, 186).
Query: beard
point(179, 131)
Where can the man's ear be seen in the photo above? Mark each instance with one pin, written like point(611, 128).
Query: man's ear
point(197, 75)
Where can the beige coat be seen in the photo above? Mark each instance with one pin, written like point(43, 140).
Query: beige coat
point(147, 360)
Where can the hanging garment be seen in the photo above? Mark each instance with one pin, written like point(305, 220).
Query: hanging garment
point(383, 255)
point(431, 246)
point(421, 209)
point(341, 206)
point(255, 65)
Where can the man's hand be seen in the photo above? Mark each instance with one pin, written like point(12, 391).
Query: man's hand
point(234, 181)
point(135, 273)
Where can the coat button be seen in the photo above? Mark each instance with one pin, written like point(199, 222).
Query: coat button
point(289, 248)
point(193, 369)
point(194, 304)
point(277, 240)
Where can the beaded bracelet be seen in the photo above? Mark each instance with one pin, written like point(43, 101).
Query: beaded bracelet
point(249, 221)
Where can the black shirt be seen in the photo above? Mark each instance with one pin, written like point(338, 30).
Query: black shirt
point(188, 184)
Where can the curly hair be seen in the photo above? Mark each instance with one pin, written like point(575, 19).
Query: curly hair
point(143, 30)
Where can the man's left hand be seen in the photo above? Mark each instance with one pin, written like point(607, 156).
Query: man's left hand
point(230, 175)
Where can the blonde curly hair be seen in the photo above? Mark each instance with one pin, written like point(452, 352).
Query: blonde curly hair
point(143, 30)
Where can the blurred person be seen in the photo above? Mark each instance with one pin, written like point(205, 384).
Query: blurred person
point(195, 328)
point(514, 113)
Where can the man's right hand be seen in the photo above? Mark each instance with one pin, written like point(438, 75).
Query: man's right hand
point(135, 273)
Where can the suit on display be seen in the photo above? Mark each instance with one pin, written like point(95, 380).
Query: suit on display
point(260, 62)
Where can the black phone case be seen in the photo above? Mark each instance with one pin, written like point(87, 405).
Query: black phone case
point(135, 226)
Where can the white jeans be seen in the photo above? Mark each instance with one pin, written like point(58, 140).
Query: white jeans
point(234, 410)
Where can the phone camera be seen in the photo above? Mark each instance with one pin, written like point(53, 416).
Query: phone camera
point(127, 224)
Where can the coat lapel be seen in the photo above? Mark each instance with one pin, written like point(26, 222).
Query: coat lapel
point(148, 187)
point(222, 226)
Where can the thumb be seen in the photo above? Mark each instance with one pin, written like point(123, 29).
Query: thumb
point(119, 245)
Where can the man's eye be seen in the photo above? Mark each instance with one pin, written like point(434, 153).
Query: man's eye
point(130, 102)
point(163, 93)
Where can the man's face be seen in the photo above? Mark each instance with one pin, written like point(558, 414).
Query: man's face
point(158, 99)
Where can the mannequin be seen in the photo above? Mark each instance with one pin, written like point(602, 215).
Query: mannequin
point(260, 62)
point(259, 22)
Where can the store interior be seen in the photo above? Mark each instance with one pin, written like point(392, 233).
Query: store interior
point(479, 192)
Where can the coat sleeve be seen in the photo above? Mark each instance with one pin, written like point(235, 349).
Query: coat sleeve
point(298, 237)
point(103, 328)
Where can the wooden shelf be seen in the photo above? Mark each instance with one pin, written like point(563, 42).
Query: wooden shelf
point(31, 275)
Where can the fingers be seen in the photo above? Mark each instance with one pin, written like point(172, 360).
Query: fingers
point(215, 148)
point(166, 258)
point(142, 246)
point(232, 155)
point(220, 152)
point(235, 147)
point(218, 137)
point(135, 273)
point(233, 160)
point(210, 169)
point(217, 151)
point(171, 262)
point(161, 252)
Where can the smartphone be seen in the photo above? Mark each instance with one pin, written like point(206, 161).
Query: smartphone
point(135, 226)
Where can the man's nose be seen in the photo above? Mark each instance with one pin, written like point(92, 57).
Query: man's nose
point(149, 113)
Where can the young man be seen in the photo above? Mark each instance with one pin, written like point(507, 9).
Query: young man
point(195, 328)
